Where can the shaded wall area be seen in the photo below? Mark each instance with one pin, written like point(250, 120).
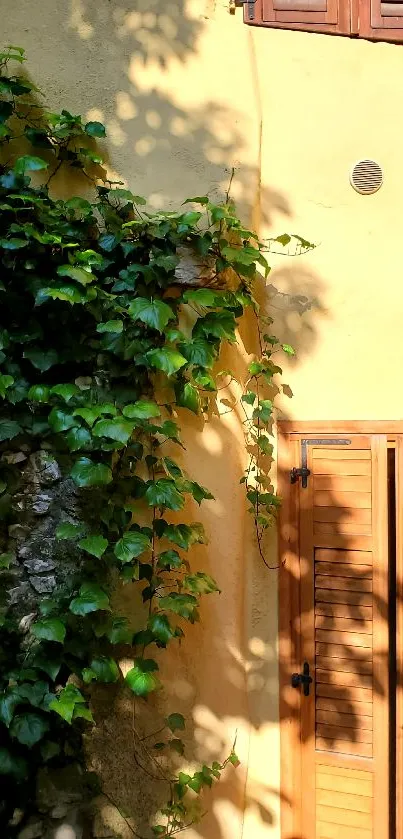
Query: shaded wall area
point(187, 92)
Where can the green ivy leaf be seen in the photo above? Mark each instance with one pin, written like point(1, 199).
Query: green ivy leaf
point(91, 598)
point(29, 728)
point(163, 493)
point(167, 360)
point(95, 129)
point(5, 382)
point(116, 429)
point(263, 410)
point(11, 764)
point(6, 559)
point(43, 360)
point(204, 379)
point(199, 352)
point(184, 605)
point(119, 632)
point(27, 163)
point(169, 559)
point(49, 629)
point(131, 545)
point(200, 493)
point(49, 750)
point(185, 535)
point(9, 429)
point(172, 467)
point(39, 393)
point(143, 409)
point(219, 325)
point(200, 583)
point(264, 444)
point(160, 627)
point(249, 397)
point(198, 200)
point(187, 396)
point(50, 666)
point(102, 669)
point(79, 274)
point(176, 722)
point(90, 414)
point(115, 326)
point(287, 348)
point(66, 703)
point(59, 420)
point(9, 701)
point(78, 438)
point(142, 679)
point(68, 530)
point(67, 292)
point(154, 313)
point(86, 473)
point(94, 545)
point(67, 391)
point(13, 244)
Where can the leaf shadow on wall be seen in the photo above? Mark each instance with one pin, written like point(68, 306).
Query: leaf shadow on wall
point(166, 118)
point(224, 676)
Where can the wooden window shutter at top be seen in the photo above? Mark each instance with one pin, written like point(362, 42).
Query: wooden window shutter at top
point(343, 640)
point(330, 16)
point(381, 21)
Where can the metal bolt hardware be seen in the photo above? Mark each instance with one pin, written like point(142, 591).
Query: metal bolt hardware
point(303, 472)
point(250, 5)
point(303, 679)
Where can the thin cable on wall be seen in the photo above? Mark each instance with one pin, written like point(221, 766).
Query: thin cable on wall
point(366, 177)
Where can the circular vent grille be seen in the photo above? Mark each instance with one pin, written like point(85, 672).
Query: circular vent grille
point(366, 177)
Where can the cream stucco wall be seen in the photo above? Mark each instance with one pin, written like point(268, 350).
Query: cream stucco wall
point(186, 92)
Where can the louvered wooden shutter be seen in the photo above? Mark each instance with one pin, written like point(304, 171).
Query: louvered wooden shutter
point(344, 638)
point(309, 15)
point(381, 21)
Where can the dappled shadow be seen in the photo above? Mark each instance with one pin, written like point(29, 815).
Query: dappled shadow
point(224, 677)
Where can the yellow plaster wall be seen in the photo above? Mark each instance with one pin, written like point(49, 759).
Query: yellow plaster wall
point(186, 92)
point(328, 102)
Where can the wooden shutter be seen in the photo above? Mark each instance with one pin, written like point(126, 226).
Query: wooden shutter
point(381, 21)
point(343, 626)
point(332, 16)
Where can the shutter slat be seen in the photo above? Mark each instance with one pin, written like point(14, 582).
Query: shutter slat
point(310, 15)
point(300, 5)
point(341, 528)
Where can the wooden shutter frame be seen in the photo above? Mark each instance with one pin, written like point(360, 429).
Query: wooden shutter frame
point(336, 20)
point(362, 18)
point(377, 27)
point(289, 436)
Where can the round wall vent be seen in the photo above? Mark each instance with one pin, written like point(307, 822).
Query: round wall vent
point(366, 177)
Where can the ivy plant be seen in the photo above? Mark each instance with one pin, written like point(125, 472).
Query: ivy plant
point(96, 358)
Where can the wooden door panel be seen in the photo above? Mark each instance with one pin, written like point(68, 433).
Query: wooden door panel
point(344, 638)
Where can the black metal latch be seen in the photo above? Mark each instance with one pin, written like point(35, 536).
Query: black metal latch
point(303, 679)
point(303, 472)
point(249, 4)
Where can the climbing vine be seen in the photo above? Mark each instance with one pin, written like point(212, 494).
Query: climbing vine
point(100, 344)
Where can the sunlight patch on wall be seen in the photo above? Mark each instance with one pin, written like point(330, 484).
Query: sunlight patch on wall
point(95, 114)
point(77, 22)
point(212, 441)
point(125, 107)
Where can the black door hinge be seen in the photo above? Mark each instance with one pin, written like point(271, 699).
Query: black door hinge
point(249, 4)
point(303, 472)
